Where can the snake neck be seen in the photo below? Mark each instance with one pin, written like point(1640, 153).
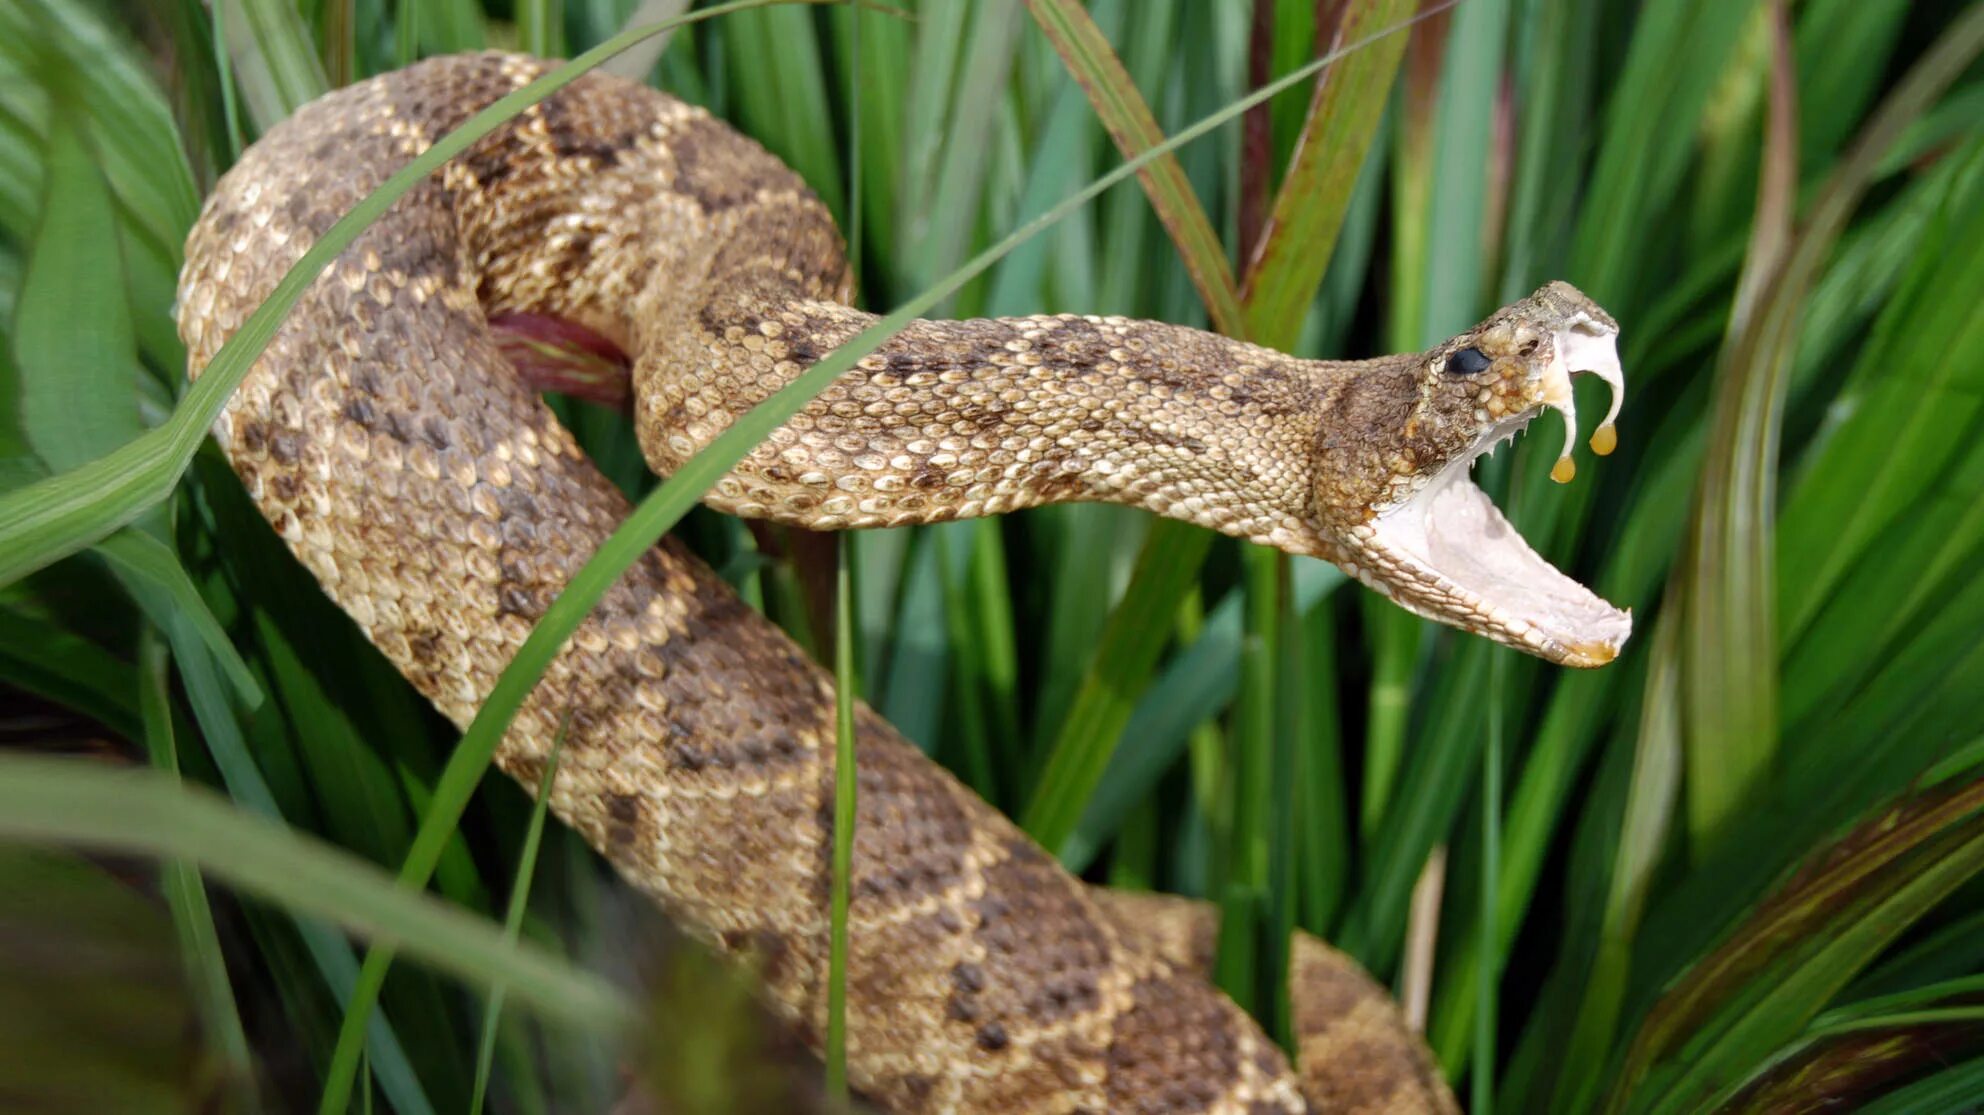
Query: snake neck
point(954, 419)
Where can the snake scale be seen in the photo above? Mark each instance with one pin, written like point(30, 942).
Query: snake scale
point(409, 466)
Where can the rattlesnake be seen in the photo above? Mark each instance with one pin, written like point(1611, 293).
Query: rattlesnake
point(393, 446)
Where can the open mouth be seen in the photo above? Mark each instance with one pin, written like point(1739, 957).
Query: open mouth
point(1453, 556)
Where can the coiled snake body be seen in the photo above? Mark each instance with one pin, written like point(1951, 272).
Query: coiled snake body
point(392, 445)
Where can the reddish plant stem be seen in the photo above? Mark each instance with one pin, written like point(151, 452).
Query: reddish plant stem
point(1256, 132)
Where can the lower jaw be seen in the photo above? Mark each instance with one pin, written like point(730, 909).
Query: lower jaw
point(1451, 556)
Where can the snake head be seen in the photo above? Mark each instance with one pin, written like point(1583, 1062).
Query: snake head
point(1394, 496)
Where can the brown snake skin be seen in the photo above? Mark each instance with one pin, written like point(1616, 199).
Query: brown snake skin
point(440, 504)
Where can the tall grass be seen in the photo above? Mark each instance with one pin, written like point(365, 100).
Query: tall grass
point(1720, 864)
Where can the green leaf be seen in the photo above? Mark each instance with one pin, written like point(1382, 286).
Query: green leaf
point(41, 656)
point(540, 28)
point(513, 915)
point(1908, 412)
point(1195, 687)
point(845, 802)
point(1092, 568)
point(273, 58)
point(1730, 640)
point(1952, 1090)
point(781, 94)
point(1789, 958)
point(1128, 118)
point(1854, 1054)
point(131, 125)
point(1647, 135)
point(1733, 691)
point(328, 952)
point(74, 274)
point(185, 891)
point(1643, 832)
point(85, 805)
point(1308, 212)
point(959, 184)
point(152, 572)
point(1115, 677)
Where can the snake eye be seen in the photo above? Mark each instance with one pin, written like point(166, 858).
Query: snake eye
point(1467, 362)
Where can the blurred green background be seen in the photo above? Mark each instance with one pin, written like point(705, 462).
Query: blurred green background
point(1734, 870)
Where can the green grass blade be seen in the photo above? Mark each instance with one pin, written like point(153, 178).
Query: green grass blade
point(1843, 48)
point(1192, 689)
point(1730, 686)
point(1553, 70)
point(328, 951)
point(20, 179)
point(960, 183)
point(1801, 947)
point(140, 812)
point(163, 587)
point(1323, 804)
point(845, 783)
point(971, 728)
point(933, 59)
point(1922, 709)
point(541, 28)
point(1642, 156)
point(1116, 675)
point(1908, 410)
point(1654, 788)
point(230, 97)
point(1488, 976)
point(273, 57)
point(513, 918)
point(185, 891)
point(406, 32)
point(451, 26)
point(1396, 638)
point(781, 95)
point(131, 125)
point(1295, 246)
point(1952, 1091)
point(991, 609)
point(43, 657)
point(73, 265)
point(1748, 425)
point(1851, 1055)
point(846, 686)
point(338, 33)
point(1459, 261)
point(912, 693)
point(1090, 571)
point(75, 250)
point(1128, 119)
point(1245, 951)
